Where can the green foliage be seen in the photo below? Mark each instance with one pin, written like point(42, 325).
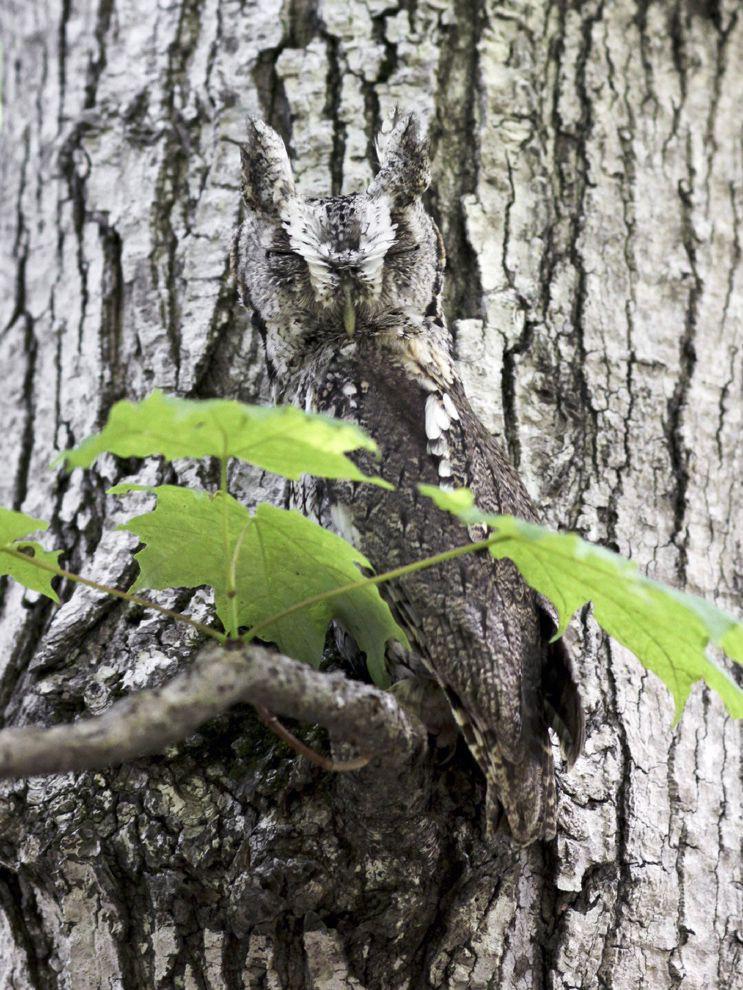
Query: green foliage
point(280, 439)
point(260, 566)
point(668, 630)
point(13, 527)
point(281, 577)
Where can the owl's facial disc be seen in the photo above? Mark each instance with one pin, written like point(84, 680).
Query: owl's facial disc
point(317, 268)
point(343, 242)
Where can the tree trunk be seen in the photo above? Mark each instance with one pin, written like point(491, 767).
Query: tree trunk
point(587, 182)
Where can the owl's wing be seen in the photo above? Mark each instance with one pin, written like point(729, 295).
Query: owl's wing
point(498, 488)
point(488, 663)
point(475, 622)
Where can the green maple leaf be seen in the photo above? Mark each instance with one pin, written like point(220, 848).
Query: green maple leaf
point(13, 527)
point(667, 630)
point(260, 565)
point(280, 439)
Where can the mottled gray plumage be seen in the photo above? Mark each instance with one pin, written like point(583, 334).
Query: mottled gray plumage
point(346, 292)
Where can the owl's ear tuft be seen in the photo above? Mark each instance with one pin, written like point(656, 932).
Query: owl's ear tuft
point(267, 180)
point(404, 164)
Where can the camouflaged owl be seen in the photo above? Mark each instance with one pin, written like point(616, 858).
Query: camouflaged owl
point(345, 292)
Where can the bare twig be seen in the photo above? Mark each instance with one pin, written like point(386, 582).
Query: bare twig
point(148, 722)
point(324, 762)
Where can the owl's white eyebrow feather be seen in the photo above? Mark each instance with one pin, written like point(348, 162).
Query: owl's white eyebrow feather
point(304, 232)
point(377, 236)
point(305, 237)
point(308, 237)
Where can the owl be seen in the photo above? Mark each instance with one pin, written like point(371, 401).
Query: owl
point(345, 292)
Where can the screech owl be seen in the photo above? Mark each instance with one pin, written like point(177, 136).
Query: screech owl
point(345, 292)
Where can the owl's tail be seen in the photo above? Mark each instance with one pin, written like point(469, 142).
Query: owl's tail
point(526, 811)
point(525, 791)
point(527, 794)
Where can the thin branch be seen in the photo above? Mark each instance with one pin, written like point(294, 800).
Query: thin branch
point(106, 589)
point(148, 722)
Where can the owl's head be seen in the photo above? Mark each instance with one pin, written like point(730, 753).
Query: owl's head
point(314, 269)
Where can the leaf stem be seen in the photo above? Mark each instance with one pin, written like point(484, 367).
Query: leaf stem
point(127, 596)
point(397, 572)
point(231, 591)
point(376, 579)
point(232, 576)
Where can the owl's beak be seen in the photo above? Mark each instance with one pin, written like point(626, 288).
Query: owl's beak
point(349, 310)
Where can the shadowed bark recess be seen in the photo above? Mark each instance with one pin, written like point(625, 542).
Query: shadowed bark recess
point(587, 181)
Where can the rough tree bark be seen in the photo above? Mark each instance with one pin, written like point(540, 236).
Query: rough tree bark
point(587, 181)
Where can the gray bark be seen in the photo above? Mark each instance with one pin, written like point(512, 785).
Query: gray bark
point(587, 181)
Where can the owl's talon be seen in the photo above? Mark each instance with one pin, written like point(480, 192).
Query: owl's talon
point(449, 756)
